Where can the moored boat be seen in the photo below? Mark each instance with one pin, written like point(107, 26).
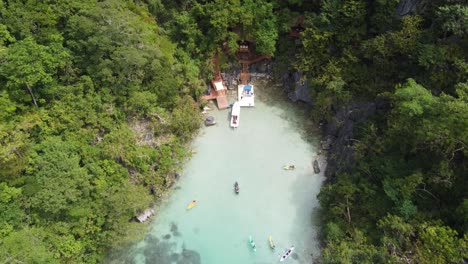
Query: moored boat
point(246, 95)
point(235, 114)
point(287, 254)
point(236, 187)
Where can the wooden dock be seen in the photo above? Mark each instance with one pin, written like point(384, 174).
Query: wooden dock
point(245, 58)
point(222, 102)
point(218, 92)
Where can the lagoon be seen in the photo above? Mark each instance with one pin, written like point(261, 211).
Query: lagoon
point(272, 201)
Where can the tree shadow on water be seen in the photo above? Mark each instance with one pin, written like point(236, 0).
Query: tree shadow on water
point(162, 252)
point(175, 229)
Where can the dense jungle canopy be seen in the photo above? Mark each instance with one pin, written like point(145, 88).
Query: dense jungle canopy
point(82, 82)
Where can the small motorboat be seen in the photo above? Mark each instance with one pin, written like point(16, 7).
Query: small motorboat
point(289, 167)
point(192, 204)
point(252, 244)
point(236, 187)
point(272, 244)
point(235, 115)
point(287, 254)
point(210, 121)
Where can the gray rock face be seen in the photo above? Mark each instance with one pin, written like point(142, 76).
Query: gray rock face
point(260, 70)
point(326, 144)
point(297, 89)
point(407, 7)
point(341, 129)
point(339, 132)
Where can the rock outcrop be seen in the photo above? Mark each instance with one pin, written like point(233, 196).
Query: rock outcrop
point(296, 88)
point(406, 7)
point(339, 135)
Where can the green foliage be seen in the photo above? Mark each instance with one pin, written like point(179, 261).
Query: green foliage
point(185, 118)
point(5, 35)
point(207, 25)
point(397, 236)
point(440, 244)
point(74, 171)
point(383, 15)
point(26, 246)
point(12, 214)
point(26, 18)
point(58, 180)
point(123, 58)
point(409, 165)
point(454, 19)
point(354, 249)
point(30, 66)
point(8, 107)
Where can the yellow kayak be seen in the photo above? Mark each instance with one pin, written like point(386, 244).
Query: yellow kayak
point(192, 204)
point(272, 244)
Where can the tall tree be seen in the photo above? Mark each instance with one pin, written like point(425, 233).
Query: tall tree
point(32, 67)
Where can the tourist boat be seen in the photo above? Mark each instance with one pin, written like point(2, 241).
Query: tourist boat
point(192, 204)
point(289, 167)
point(252, 244)
point(235, 114)
point(272, 244)
point(287, 254)
point(246, 95)
point(236, 187)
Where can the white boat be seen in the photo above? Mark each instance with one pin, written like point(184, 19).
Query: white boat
point(246, 95)
point(235, 114)
point(287, 254)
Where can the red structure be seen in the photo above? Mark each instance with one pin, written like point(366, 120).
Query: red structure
point(218, 90)
point(245, 56)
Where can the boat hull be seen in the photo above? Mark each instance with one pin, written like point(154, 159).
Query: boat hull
point(192, 204)
point(235, 114)
point(287, 254)
point(272, 244)
point(252, 244)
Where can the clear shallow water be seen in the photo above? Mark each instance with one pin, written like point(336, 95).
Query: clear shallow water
point(272, 201)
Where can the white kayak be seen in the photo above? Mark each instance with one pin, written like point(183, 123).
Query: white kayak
point(287, 254)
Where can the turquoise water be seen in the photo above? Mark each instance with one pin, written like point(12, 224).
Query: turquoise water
point(272, 201)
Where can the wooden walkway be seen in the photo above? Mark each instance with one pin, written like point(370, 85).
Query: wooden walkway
point(245, 59)
point(216, 93)
point(219, 92)
point(222, 101)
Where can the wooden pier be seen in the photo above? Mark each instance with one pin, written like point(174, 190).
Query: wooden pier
point(218, 90)
point(245, 56)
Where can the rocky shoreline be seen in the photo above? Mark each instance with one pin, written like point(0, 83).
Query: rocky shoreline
point(338, 133)
point(337, 145)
